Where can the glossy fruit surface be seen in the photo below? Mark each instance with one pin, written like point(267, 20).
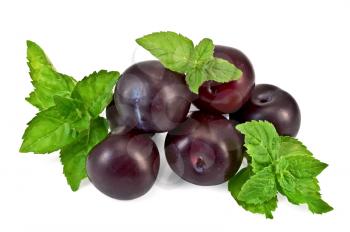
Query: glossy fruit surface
point(124, 166)
point(152, 98)
point(116, 125)
point(112, 116)
point(227, 97)
point(205, 149)
point(273, 104)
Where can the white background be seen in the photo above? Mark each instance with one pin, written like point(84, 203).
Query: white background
point(300, 46)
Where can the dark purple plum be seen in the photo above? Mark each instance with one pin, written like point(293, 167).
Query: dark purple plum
point(206, 149)
point(115, 123)
point(151, 98)
point(273, 104)
point(227, 97)
point(123, 166)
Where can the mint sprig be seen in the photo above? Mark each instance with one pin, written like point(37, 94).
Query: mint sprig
point(69, 113)
point(178, 53)
point(276, 164)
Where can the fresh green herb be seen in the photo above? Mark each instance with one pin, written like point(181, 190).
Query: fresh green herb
point(46, 80)
point(235, 185)
point(69, 113)
point(178, 53)
point(95, 91)
point(277, 164)
point(73, 156)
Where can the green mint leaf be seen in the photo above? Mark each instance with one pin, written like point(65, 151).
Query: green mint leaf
point(55, 127)
point(195, 78)
point(301, 165)
point(319, 206)
point(266, 207)
point(297, 189)
point(36, 56)
point(178, 54)
point(235, 185)
point(45, 133)
point(73, 156)
point(173, 50)
point(46, 81)
point(260, 187)
point(290, 146)
point(216, 69)
point(96, 91)
point(262, 142)
point(302, 190)
point(222, 71)
point(204, 52)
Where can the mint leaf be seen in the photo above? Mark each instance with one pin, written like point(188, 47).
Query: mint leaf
point(95, 91)
point(260, 187)
point(46, 81)
point(173, 50)
point(301, 165)
point(262, 143)
point(54, 128)
point(216, 69)
point(178, 54)
point(46, 134)
point(73, 156)
point(222, 71)
point(303, 190)
point(204, 52)
point(36, 56)
point(195, 79)
point(235, 185)
point(319, 206)
point(290, 146)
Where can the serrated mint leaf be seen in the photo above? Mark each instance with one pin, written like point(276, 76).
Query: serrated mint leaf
point(290, 146)
point(204, 52)
point(234, 186)
point(36, 56)
point(262, 142)
point(195, 79)
point(319, 206)
point(260, 187)
point(55, 127)
point(266, 207)
point(46, 133)
point(217, 70)
point(301, 165)
point(45, 79)
point(96, 91)
point(298, 190)
point(302, 190)
point(173, 50)
point(222, 71)
point(73, 156)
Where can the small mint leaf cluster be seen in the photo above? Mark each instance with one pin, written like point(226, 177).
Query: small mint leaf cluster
point(276, 164)
point(68, 117)
point(178, 53)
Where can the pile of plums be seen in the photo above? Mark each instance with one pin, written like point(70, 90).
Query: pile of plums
point(202, 147)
